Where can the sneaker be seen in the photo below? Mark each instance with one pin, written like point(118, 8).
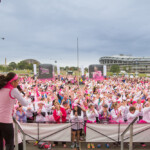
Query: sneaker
point(77, 145)
point(50, 146)
point(36, 143)
point(98, 145)
point(88, 145)
point(81, 139)
point(92, 145)
point(72, 145)
point(143, 145)
point(47, 146)
point(107, 145)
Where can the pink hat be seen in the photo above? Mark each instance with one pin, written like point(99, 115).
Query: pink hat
point(143, 100)
point(134, 102)
point(74, 105)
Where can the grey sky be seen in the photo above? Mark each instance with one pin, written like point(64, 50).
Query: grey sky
point(47, 30)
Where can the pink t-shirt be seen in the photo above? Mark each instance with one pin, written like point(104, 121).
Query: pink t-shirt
point(7, 101)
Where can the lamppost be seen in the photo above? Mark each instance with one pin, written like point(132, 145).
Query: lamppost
point(2, 38)
point(55, 64)
point(78, 73)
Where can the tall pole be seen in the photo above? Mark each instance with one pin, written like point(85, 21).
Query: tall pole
point(78, 61)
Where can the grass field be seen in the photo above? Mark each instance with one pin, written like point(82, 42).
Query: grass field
point(75, 73)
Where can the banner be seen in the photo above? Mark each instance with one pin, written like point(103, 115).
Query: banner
point(96, 72)
point(111, 132)
point(57, 132)
point(82, 70)
point(93, 132)
point(34, 69)
point(104, 70)
point(58, 70)
point(46, 71)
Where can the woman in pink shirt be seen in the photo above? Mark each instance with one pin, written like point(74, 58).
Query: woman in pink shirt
point(8, 95)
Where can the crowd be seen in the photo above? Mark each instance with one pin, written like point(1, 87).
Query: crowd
point(113, 100)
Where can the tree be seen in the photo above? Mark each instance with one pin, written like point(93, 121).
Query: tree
point(23, 65)
point(86, 69)
point(115, 69)
point(66, 68)
point(12, 65)
point(125, 68)
point(1, 67)
point(30, 66)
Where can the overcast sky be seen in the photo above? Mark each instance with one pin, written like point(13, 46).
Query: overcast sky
point(47, 30)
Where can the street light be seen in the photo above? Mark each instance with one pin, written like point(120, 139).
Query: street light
point(78, 62)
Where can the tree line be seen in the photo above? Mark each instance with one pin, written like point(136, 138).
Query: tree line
point(29, 66)
point(16, 66)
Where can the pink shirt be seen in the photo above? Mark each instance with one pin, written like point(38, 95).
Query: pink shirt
point(7, 101)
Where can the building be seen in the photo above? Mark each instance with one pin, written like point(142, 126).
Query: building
point(128, 63)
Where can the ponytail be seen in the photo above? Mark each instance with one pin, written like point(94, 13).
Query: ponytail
point(5, 79)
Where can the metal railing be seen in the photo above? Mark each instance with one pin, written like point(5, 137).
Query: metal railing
point(130, 126)
point(17, 126)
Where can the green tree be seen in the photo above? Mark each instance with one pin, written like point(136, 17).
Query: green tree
point(115, 69)
point(22, 65)
point(86, 69)
point(30, 66)
point(125, 68)
point(67, 68)
point(1, 67)
point(12, 65)
point(62, 68)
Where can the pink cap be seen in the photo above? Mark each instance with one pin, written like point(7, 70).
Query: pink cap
point(143, 100)
point(134, 102)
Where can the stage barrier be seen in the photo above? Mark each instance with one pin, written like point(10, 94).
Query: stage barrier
point(112, 132)
point(47, 132)
point(94, 132)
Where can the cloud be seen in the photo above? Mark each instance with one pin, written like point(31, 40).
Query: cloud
point(48, 30)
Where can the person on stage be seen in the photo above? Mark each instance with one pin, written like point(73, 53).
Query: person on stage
point(8, 96)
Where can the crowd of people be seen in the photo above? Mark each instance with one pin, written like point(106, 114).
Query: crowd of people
point(113, 100)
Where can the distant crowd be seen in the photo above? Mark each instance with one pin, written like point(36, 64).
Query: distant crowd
point(113, 100)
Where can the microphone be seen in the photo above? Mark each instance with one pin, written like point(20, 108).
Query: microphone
point(20, 89)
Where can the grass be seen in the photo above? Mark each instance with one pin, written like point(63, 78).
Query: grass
point(74, 73)
point(20, 71)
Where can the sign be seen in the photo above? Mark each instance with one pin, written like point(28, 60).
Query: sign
point(34, 69)
point(46, 71)
point(105, 70)
point(96, 72)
